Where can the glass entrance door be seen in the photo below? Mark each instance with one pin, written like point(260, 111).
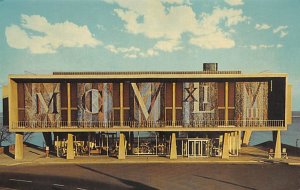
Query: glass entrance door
point(198, 148)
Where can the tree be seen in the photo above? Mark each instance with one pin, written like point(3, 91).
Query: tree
point(28, 136)
point(5, 135)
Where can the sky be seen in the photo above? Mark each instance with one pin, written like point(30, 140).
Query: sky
point(254, 36)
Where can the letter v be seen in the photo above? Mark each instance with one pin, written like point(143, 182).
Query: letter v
point(140, 100)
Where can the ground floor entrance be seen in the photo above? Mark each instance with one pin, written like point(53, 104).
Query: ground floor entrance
point(146, 144)
point(198, 147)
point(124, 144)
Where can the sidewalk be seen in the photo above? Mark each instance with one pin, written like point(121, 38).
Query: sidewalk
point(248, 155)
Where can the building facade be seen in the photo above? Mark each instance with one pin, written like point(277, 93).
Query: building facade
point(190, 114)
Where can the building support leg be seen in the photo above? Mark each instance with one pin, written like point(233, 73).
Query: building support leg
point(239, 140)
point(122, 142)
point(277, 144)
point(70, 147)
point(173, 153)
point(232, 144)
point(225, 152)
point(236, 143)
point(246, 138)
point(19, 147)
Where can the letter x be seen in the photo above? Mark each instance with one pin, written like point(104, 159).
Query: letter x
point(190, 91)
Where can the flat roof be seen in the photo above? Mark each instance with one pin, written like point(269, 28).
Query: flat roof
point(146, 75)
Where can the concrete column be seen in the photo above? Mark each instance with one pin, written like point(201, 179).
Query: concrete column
point(246, 138)
point(19, 147)
point(70, 147)
point(239, 140)
point(277, 145)
point(233, 142)
point(225, 151)
point(174, 104)
point(69, 104)
point(122, 147)
point(13, 104)
point(173, 152)
point(121, 105)
point(226, 103)
point(288, 105)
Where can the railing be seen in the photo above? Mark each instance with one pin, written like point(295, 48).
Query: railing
point(145, 72)
point(148, 124)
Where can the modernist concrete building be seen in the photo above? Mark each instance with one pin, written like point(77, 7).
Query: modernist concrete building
point(183, 113)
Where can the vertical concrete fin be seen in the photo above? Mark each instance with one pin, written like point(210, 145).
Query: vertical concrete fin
point(174, 103)
point(173, 153)
point(121, 155)
point(69, 104)
point(70, 147)
point(246, 137)
point(289, 105)
point(19, 147)
point(225, 152)
point(121, 104)
point(277, 145)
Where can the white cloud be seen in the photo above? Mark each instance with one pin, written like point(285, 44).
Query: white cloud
point(234, 2)
point(116, 50)
point(253, 47)
point(266, 46)
point(131, 52)
point(168, 45)
point(210, 35)
point(132, 56)
point(100, 27)
point(39, 36)
point(262, 26)
point(281, 30)
point(283, 34)
point(156, 23)
point(176, 1)
point(150, 53)
point(168, 24)
point(213, 41)
point(263, 46)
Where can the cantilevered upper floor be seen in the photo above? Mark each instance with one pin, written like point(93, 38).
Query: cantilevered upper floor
point(207, 100)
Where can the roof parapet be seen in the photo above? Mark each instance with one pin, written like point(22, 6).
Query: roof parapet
point(144, 72)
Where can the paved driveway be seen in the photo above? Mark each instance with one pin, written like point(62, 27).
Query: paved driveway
point(151, 176)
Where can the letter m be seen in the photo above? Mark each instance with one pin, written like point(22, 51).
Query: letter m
point(41, 103)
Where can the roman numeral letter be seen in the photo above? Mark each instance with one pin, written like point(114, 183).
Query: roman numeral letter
point(94, 95)
point(190, 95)
point(205, 100)
point(40, 99)
point(141, 102)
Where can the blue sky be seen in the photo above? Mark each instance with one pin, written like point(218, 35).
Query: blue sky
point(113, 35)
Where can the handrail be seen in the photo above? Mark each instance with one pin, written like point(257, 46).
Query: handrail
point(144, 72)
point(149, 124)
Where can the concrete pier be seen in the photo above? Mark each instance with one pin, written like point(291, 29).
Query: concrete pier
point(19, 146)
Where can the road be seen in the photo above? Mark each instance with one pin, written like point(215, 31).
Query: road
point(150, 176)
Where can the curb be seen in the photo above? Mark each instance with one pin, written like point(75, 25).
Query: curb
point(294, 164)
